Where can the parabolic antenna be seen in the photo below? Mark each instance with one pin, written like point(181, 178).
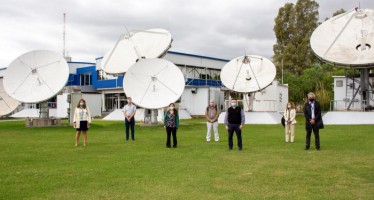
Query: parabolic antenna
point(153, 83)
point(132, 46)
point(7, 103)
point(248, 73)
point(346, 39)
point(36, 76)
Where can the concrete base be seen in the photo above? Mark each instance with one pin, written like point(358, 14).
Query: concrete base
point(32, 113)
point(257, 117)
point(347, 117)
point(40, 122)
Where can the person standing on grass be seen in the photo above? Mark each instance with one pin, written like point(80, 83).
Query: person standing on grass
point(313, 120)
point(81, 121)
point(289, 116)
point(129, 111)
point(234, 121)
point(212, 114)
point(171, 124)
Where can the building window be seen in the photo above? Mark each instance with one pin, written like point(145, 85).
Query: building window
point(115, 101)
point(86, 79)
point(339, 83)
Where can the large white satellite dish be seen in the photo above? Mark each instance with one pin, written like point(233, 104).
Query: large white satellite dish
point(248, 73)
point(152, 43)
point(346, 39)
point(7, 103)
point(36, 76)
point(153, 83)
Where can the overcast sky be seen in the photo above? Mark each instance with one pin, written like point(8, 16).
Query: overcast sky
point(217, 28)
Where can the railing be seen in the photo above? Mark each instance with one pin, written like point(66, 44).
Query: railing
point(357, 105)
point(255, 105)
point(35, 105)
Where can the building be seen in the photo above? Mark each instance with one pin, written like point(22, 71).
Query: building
point(347, 94)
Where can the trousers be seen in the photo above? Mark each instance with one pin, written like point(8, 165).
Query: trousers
point(290, 132)
point(171, 131)
point(315, 130)
point(235, 128)
point(131, 125)
point(213, 125)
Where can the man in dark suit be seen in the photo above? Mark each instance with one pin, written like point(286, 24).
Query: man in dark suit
point(313, 117)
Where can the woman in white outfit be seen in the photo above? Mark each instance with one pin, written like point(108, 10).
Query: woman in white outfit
point(289, 116)
point(82, 120)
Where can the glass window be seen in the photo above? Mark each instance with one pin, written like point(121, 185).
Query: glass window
point(86, 79)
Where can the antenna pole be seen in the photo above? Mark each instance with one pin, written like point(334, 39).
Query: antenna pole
point(63, 36)
point(282, 71)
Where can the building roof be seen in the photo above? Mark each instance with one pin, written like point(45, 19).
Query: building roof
point(187, 54)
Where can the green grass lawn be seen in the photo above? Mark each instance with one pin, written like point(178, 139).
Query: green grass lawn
point(42, 163)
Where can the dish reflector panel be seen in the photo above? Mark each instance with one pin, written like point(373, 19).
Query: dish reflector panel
point(346, 39)
point(152, 43)
point(7, 103)
point(36, 76)
point(153, 83)
point(248, 73)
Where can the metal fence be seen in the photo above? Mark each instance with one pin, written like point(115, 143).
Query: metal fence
point(356, 105)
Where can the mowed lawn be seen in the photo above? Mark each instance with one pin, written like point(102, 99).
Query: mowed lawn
point(42, 163)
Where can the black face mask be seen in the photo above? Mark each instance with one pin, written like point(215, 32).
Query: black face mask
point(311, 100)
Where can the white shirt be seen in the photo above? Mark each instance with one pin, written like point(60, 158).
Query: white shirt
point(312, 110)
point(129, 109)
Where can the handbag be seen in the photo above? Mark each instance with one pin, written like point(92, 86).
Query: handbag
point(283, 121)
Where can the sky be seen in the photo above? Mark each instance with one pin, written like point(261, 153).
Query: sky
point(216, 28)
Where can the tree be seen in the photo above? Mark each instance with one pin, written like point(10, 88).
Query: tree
point(293, 28)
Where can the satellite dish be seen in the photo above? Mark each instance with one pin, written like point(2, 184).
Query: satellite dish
point(248, 73)
point(131, 47)
point(346, 39)
point(153, 83)
point(7, 103)
point(36, 76)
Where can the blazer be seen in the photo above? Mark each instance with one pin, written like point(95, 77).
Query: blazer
point(76, 118)
point(317, 114)
point(292, 114)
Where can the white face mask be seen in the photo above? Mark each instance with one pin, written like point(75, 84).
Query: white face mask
point(288, 106)
point(171, 108)
point(81, 104)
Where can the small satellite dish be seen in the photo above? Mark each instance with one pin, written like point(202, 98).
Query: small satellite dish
point(346, 39)
point(7, 103)
point(153, 83)
point(36, 76)
point(248, 73)
point(136, 45)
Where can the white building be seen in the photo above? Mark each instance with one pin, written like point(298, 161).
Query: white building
point(344, 90)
